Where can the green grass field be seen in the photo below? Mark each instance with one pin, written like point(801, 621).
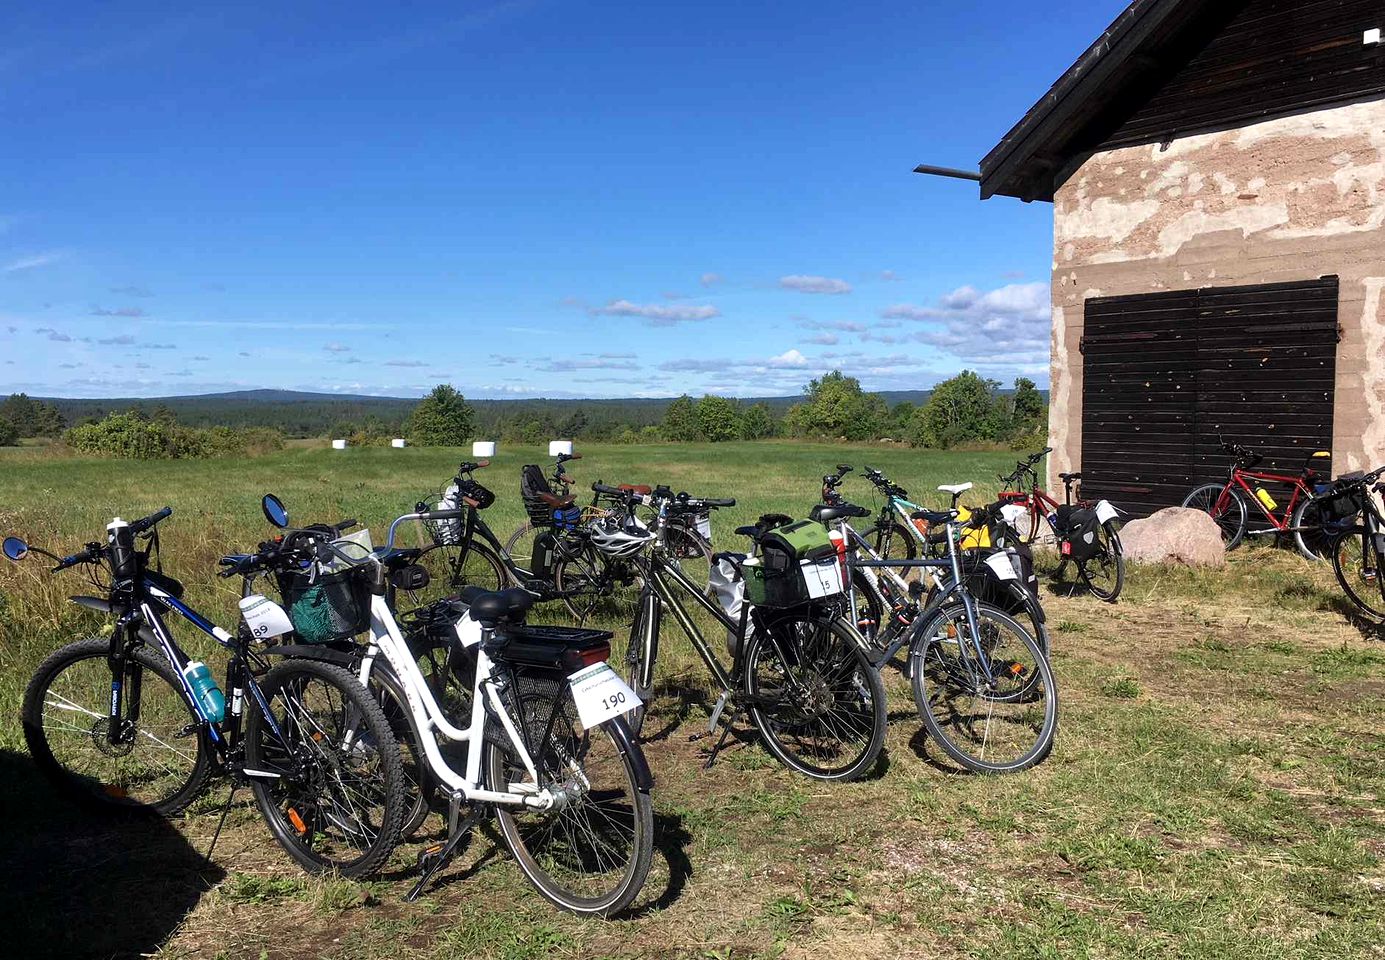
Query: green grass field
point(1216, 788)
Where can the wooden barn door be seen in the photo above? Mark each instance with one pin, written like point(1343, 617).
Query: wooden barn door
point(1166, 374)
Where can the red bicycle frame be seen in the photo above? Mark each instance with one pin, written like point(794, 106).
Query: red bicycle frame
point(1238, 479)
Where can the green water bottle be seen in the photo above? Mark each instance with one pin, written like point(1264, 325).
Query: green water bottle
point(204, 688)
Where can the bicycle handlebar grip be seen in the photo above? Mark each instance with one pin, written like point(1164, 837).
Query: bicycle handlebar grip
point(139, 526)
point(720, 502)
point(442, 515)
point(607, 488)
point(344, 525)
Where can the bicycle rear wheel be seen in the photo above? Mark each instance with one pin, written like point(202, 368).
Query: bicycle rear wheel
point(451, 567)
point(815, 698)
point(161, 762)
point(1356, 562)
point(590, 853)
point(596, 590)
point(338, 800)
point(1104, 574)
point(893, 542)
point(1312, 535)
point(1002, 725)
point(1223, 504)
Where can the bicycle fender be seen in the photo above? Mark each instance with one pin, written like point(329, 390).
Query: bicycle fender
point(630, 749)
point(92, 603)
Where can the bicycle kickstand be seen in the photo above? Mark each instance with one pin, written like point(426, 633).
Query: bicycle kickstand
point(719, 716)
point(437, 856)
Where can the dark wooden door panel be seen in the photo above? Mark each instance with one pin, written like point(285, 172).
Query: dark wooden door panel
point(1165, 375)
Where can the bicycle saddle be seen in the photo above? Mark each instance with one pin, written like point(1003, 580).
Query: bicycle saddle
point(824, 513)
point(491, 607)
point(956, 489)
point(555, 501)
point(1065, 477)
point(935, 516)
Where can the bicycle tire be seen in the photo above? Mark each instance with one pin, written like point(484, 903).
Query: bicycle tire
point(581, 581)
point(1349, 565)
point(1314, 542)
point(167, 801)
point(819, 672)
point(892, 541)
point(450, 568)
point(1112, 548)
point(525, 830)
point(1231, 516)
point(372, 745)
point(933, 677)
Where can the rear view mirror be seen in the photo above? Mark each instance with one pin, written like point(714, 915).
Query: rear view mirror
point(16, 549)
point(275, 511)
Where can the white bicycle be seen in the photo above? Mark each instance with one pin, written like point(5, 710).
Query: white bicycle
point(526, 724)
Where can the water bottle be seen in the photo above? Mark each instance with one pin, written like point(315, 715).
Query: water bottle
point(204, 688)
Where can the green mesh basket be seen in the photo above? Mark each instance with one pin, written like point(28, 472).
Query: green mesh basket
point(332, 607)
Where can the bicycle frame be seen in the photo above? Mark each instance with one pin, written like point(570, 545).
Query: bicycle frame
point(1299, 490)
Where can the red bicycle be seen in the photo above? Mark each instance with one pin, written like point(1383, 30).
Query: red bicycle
point(1228, 503)
point(1100, 562)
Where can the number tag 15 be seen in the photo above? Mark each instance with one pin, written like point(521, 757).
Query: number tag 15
point(600, 694)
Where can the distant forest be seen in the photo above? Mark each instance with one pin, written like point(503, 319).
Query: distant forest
point(320, 415)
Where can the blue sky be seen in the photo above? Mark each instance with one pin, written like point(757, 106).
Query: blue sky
point(522, 199)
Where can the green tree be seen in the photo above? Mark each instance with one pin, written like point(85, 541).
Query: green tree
point(442, 419)
point(718, 419)
point(901, 418)
point(836, 406)
point(9, 433)
point(960, 410)
point(680, 420)
point(758, 422)
point(1027, 404)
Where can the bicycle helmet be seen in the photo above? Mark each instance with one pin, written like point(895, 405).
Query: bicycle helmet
point(618, 539)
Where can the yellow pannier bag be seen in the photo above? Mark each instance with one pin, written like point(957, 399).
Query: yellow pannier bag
point(973, 538)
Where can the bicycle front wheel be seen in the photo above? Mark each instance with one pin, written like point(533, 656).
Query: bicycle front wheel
point(596, 590)
point(1311, 536)
point(1356, 563)
point(591, 851)
point(336, 800)
point(813, 695)
point(1224, 505)
point(997, 715)
point(160, 761)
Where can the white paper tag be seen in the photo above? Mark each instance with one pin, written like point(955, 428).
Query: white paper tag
point(1105, 512)
point(264, 617)
point(704, 527)
point(822, 579)
point(1013, 514)
point(601, 694)
point(1001, 566)
point(468, 631)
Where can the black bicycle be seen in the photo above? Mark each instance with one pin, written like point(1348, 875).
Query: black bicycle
point(799, 672)
point(127, 722)
point(1356, 538)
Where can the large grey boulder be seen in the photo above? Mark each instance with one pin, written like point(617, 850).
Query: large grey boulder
point(1174, 535)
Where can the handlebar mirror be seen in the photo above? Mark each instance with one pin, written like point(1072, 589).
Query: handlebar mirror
point(16, 549)
point(275, 511)
point(482, 449)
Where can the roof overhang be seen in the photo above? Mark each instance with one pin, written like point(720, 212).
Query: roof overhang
point(1136, 54)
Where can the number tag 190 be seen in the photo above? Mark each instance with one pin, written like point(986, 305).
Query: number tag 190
point(600, 694)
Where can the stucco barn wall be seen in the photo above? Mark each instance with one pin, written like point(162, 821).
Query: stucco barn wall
point(1289, 199)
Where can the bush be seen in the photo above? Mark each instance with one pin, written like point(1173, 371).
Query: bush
point(128, 436)
point(9, 435)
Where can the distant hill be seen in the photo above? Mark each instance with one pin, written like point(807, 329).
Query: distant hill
point(305, 414)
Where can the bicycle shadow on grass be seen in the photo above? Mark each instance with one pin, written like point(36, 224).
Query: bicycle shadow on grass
point(76, 884)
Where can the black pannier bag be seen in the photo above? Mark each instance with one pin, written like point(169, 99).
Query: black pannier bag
point(985, 586)
point(1078, 533)
point(1342, 500)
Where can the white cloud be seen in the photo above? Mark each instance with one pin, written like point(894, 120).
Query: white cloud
point(1005, 327)
point(809, 284)
point(825, 339)
point(336, 348)
point(657, 314)
point(789, 358)
point(709, 279)
point(29, 263)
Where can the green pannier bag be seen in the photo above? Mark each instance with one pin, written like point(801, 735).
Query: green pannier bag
point(778, 580)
